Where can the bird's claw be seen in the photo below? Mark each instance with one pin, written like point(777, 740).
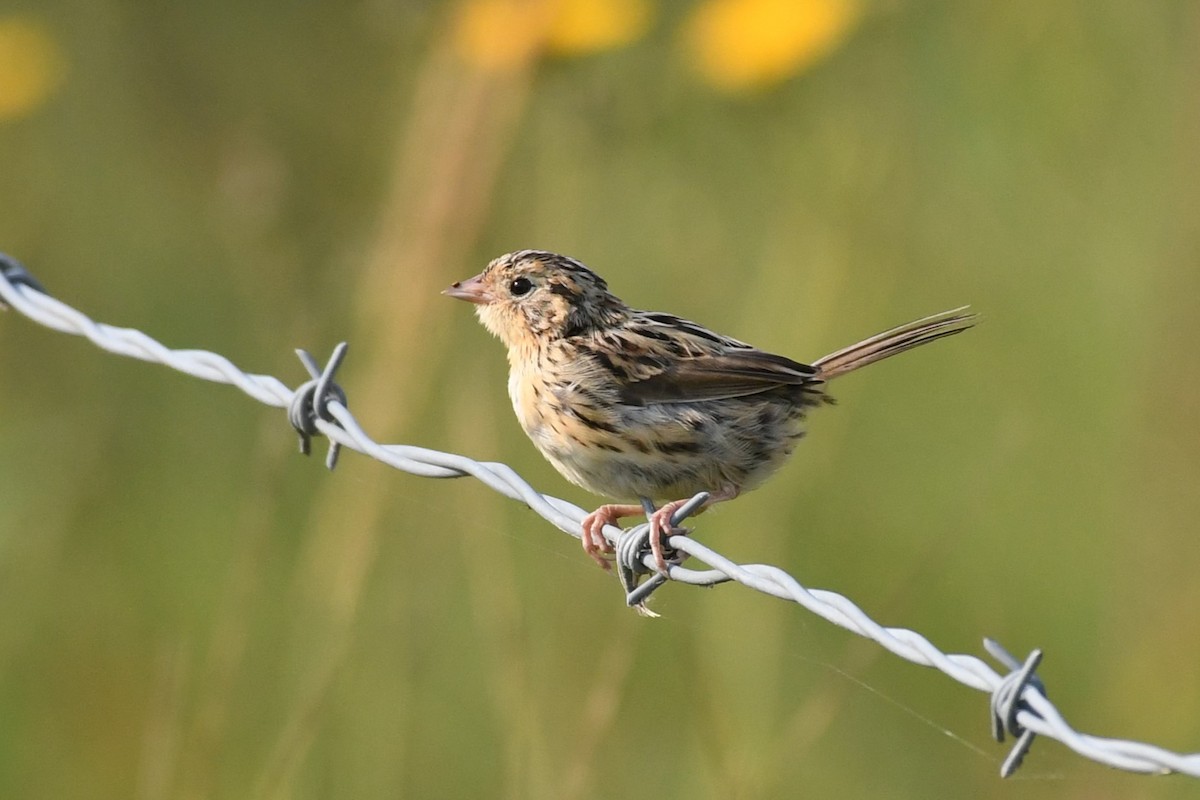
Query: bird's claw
point(595, 544)
point(661, 529)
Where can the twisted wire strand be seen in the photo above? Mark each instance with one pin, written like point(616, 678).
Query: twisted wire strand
point(1032, 711)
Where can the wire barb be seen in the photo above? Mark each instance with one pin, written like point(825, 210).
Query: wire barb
point(1008, 702)
point(634, 558)
point(1020, 706)
point(312, 398)
point(16, 274)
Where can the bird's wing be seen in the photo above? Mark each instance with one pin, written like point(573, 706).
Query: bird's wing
point(664, 359)
point(718, 377)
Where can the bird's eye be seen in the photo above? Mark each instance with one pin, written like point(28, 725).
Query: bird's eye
point(520, 286)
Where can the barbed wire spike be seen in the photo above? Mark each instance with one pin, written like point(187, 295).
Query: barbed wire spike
point(1029, 710)
point(15, 274)
point(312, 398)
point(1007, 702)
point(633, 555)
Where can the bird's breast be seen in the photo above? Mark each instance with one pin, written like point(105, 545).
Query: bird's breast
point(574, 417)
point(559, 411)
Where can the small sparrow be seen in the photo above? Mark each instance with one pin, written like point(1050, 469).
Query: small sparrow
point(642, 404)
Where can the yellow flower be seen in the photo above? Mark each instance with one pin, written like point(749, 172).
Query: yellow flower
point(740, 44)
point(508, 34)
point(31, 66)
point(588, 26)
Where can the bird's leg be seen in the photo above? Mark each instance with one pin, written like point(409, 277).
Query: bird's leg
point(594, 543)
point(661, 527)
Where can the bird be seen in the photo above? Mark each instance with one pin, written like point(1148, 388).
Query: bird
point(644, 404)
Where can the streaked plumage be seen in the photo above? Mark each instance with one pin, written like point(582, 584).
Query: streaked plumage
point(632, 404)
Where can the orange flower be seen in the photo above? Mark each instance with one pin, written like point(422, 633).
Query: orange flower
point(740, 44)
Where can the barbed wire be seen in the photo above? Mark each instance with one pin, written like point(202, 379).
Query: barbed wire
point(1019, 705)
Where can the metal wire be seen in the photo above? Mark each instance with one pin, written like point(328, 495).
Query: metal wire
point(1019, 704)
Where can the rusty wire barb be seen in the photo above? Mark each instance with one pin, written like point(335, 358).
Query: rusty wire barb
point(1019, 706)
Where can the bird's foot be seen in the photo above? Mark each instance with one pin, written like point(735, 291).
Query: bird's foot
point(594, 543)
point(661, 528)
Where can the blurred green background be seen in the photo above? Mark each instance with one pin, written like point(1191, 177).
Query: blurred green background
point(192, 611)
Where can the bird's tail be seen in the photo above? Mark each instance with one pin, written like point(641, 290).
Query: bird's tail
point(897, 340)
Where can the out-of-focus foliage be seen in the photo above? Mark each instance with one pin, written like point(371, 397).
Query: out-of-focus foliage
point(190, 610)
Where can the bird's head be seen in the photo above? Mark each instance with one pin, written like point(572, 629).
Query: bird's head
point(533, 296)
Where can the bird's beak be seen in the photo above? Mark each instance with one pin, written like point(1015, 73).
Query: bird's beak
point(471, 290)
